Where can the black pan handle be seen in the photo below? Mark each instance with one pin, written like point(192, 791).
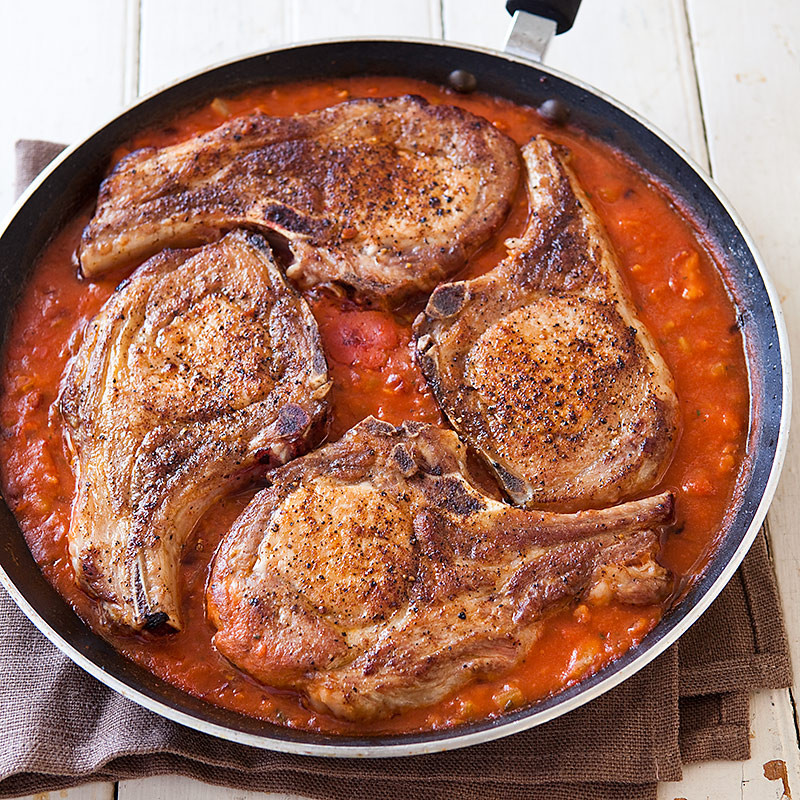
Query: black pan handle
point(562, 12)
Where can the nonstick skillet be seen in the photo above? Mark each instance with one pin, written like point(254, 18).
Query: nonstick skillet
point(72, 180)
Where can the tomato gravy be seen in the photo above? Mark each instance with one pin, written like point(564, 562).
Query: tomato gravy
point(679, 294)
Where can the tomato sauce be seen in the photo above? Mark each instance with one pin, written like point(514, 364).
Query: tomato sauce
point(679, 293)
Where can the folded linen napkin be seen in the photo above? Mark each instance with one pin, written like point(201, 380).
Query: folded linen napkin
point(59, 727)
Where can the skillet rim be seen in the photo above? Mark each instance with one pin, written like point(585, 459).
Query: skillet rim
point(668, 630)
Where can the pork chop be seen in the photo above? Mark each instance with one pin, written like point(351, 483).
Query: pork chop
point(542, 364)
point(387, 196)
point(203, 365)
point(374, 577)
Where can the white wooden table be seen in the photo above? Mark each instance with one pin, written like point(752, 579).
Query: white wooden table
point(721, 77)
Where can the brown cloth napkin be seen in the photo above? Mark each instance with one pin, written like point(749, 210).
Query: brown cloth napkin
point(59, 727)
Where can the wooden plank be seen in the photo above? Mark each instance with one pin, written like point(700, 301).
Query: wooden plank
point(749, 74)
point(65, 68)
point(173, 787)
point(209, 32)
point(92, 791)
point(749, 79)
point(772, 743)
point(212, 32)
point(638, 53)
point(475, 22)
point(322, 19)
point(133, 21)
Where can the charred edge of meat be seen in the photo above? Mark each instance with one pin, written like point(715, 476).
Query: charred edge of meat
point(404, 460)
point(450, 494)
point(412, 428)
point(153, 621)
point(425, 355)
point(157, 622)
point(511, 484)
point(379, 427)
point(447, 300)
point(291, 220)
point(292, 420)
point(259, 242)
point(320, 363)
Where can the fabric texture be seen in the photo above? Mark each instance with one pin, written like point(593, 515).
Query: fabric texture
point(59, 727)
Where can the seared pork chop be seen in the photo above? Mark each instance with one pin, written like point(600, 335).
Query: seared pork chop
point(203, 365)
point(387, 196)
point(375, 577)
point(542, 364)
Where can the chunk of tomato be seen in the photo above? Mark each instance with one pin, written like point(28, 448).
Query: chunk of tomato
point(361, 338)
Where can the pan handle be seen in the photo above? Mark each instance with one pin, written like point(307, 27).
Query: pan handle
point(562, 12)
point(535, 23)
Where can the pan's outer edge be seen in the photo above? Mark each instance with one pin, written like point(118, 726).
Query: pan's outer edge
point(415, 744)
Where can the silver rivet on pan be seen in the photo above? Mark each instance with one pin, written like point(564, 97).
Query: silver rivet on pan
point(554, 110)
point(462, 81)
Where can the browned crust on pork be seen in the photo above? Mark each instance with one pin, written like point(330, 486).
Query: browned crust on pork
point(543, 366)
point(374, 577)
point(204, 365)
point(388, 196)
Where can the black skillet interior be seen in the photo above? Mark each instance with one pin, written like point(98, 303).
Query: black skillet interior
point(75, 181)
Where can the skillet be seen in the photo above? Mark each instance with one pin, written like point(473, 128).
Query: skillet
point(73, 179)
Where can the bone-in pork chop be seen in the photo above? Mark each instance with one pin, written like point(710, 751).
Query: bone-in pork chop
point(542, 364)
point(387, 196)
point(375, 577)
point(202, 365)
